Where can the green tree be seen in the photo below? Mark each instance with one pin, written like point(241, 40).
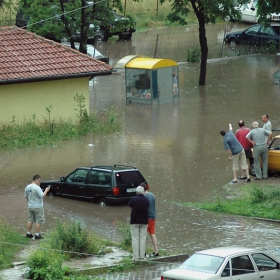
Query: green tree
point(265, 8)
point(206, 11)
point(66, 18)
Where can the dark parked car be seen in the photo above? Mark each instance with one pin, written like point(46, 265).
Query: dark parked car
point(256, 35)
point(121, 26)
point(101, 184)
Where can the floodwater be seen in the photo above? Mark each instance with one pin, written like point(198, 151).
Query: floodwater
point(177, 147)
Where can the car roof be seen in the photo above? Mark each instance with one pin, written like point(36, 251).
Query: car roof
point(226, 251)
point(91, 51)
point(116, 167)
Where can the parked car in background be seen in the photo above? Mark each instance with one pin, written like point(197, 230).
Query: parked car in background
point(256, 34)
point(91, 51)
point(273, 157)
point(226, 263)
point(101, 184)
point(121, 26)
point(249, 12)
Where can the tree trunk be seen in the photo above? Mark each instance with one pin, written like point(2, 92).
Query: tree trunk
point(204, 51)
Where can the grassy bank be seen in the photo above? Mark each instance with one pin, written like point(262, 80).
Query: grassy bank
point(66, 241)
point(33, 133)
point(11, 242)
point(254, 200)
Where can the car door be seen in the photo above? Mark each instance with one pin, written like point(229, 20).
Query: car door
point(250, 35)
point(98, 185)
point(267, 267)
point(242, 268)
point(274, 155)
point(74, 183)
point(266, 35)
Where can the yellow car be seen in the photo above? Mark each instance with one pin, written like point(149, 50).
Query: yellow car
point(273, 156)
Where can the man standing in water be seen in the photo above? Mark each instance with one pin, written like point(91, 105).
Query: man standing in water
point(266, 125)
point(257, 137)
point(241, 134)
point(34, 195)
point(152, 219)
point(235, 152)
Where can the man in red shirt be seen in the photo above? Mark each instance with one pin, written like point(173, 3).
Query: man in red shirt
point(241, 137)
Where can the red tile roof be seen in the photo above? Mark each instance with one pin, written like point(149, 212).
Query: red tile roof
point(25, 56)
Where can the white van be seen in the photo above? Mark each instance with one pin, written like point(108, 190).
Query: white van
point(249, 12)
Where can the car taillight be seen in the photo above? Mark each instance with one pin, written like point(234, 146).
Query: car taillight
point(147, 186)
point(116, 191)
point(161, 278)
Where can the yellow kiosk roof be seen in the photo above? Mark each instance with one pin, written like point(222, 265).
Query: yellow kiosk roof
point(150, 63)
point(139, 62)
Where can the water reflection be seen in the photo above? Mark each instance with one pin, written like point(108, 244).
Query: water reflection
point(176, 146)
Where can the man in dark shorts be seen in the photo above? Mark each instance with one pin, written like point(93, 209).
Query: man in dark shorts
point(241, 134)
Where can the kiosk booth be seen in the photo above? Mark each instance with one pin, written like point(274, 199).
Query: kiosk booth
point(150, 80)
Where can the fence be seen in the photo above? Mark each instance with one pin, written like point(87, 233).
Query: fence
point(174, 43)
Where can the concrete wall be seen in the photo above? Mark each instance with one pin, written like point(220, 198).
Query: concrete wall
point(25, 100)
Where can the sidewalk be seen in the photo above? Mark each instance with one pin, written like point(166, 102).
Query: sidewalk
point(149, 272)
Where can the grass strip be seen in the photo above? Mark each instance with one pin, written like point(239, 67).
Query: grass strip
point(251, 201)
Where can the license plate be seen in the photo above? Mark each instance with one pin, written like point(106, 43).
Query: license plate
point(131, 190)
point(125, 33)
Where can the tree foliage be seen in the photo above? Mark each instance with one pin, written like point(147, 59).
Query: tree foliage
point(66, 18)
point(265, 8)
point(206, 11)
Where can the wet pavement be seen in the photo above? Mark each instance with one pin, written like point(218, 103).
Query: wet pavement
point(150, 269)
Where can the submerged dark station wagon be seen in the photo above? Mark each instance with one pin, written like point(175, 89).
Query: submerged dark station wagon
point(101, 184)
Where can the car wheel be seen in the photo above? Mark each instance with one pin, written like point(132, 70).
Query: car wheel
point(103, 35)
point(102, 202)
point(233, 42)
point(51, 193)
point(252, 169)
point(125, 36)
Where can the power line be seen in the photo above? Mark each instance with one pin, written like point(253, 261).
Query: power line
point(72, 11)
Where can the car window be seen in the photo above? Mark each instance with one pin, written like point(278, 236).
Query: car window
point(241, 265)
point(276, 29)
point(129, 177)
point(203, 263)
point(226, 271)
point(78, 176)
point(100, 178)
point(267, 31)
point(276, 144)
point(252, 30)
point(264, 262)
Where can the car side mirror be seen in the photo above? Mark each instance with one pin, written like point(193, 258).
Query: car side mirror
point(253, 9)
point(278, 265)
point(62, 179)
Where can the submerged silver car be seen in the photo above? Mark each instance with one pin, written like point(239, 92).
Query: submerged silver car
point(227, 263)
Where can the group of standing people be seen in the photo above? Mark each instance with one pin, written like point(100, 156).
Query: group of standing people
point(142, 220)
point(239, 148)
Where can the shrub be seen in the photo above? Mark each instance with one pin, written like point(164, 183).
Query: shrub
point(257, 195)
point(46, 265)
point(193, 55)
point(74, 240)
point(124, 230)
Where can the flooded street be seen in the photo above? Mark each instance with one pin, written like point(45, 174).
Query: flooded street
point(177, 147)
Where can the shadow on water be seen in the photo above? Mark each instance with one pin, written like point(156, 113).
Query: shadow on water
point(176, 146)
